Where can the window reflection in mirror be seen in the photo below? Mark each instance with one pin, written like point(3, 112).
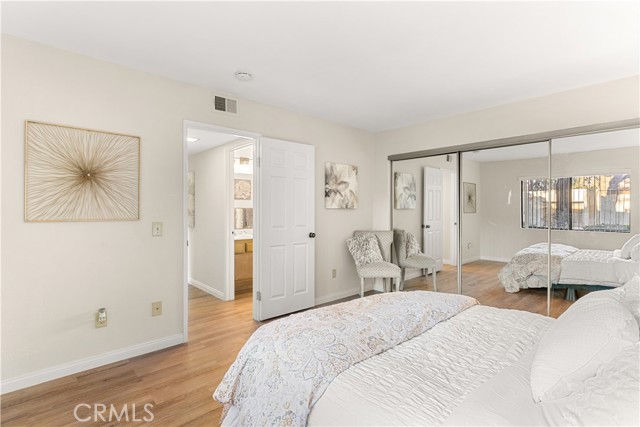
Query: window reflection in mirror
point(424, 206)
point(594, 182)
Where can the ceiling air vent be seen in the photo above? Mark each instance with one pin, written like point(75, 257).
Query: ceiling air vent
point(225, 105)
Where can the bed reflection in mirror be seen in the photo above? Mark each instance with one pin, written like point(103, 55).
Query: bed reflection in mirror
point(594, 192)
point(503, 263)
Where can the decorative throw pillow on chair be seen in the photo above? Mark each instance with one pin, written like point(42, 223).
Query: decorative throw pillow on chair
point(364, 249)
point(413, 247)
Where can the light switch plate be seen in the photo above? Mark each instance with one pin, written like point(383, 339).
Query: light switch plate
point(156, 229)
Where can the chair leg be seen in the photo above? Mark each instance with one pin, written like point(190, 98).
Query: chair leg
point(361, 287)
point(401, 285)
point(435, 286)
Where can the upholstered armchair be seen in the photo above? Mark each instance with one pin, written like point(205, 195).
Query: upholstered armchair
point(371, 251)
point(408, 255)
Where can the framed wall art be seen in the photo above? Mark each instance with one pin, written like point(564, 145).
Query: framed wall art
point(191, 202)
point(404, 190)
point(242, 189)
point(340, 186)
point(74, 174)
point(469, 197)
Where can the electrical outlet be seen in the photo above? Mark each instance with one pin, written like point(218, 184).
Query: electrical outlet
point(101, 318)
point(156, 308)
point(333, 273)
point(156, 229)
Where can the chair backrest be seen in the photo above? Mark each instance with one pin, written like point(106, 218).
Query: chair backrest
point(400, 244)
point(385, 240)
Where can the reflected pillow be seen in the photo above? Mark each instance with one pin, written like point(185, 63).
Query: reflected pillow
point(365, 249)
point(625, 252)
point(413, 247)
point(629, 296)
point(594, 330)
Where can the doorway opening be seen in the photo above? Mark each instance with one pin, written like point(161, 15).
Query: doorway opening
point(241, 169)
point(212, 215)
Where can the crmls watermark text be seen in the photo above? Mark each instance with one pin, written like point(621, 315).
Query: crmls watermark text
point(85, 412)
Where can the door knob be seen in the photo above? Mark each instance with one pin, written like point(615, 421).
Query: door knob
point(427, 226)
point(312, 235)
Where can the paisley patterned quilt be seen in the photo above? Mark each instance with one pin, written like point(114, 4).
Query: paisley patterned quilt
point(528, 267)
point(287, 364)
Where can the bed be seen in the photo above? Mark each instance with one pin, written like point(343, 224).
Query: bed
point(424, 358)
point(570, 268)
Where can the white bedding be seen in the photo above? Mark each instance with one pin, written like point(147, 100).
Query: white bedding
point(594, 267)
point(424, 380)
point(504, 400)
point(569, 266)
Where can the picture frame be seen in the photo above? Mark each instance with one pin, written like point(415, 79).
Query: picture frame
point(469, 197)
point(340, 186)
point(405, 190)
point(77, 174)
point(191, 202)
point(242, 189)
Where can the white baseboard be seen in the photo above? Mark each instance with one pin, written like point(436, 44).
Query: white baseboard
point(495, 258)
point(408, 275)
point(472, 259)
point(342, 294)
point(55, 372)
point(206, 288)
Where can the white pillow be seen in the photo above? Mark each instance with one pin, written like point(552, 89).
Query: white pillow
point(365, 249)
point(629, 295)
point(609, 398)
point(591, 332)
point(625, 252)
point(635, 253)
point(413, 247)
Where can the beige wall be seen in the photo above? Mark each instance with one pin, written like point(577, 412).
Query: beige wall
point(500, 228)
point(57, 275)
point(470, 241)
point(601, 103)
point(207, 243)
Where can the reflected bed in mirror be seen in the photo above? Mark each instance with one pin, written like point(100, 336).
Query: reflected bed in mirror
point(570, 268)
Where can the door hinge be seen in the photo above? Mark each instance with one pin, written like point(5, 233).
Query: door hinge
point(258, 161)
point(259, 296)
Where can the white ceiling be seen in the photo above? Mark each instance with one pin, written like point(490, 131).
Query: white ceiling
point(207, 139)
point(370, 65)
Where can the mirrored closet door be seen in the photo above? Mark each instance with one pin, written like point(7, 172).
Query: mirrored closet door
point(504, 226)
point(424, 207)
point(595, 187)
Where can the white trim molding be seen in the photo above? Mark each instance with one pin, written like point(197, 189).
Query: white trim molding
point(494, 258)
point(55, 372)
point(206, 288)
point(471, 259)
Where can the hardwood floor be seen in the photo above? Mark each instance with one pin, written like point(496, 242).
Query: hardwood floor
point(179, 382)
point(480, 280)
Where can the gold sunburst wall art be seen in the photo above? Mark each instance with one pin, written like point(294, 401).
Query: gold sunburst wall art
point(74, 174)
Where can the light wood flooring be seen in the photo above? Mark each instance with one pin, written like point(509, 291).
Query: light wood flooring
point(480, 280)
point(180, 381)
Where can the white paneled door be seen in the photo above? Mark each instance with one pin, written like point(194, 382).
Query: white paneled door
point(285, 260)
point(432, 221)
